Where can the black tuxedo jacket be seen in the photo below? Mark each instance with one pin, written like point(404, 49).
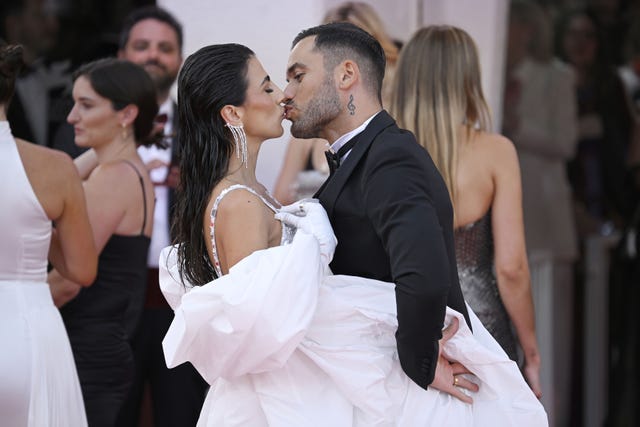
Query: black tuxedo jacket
point(392, 215)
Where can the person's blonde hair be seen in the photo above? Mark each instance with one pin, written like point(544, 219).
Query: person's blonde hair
point(365, 17)
point(437, 92)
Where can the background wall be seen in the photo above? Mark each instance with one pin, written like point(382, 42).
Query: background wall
point(268, 27)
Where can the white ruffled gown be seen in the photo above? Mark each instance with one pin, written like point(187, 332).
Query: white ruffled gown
point(283, 344)
point(38, 380)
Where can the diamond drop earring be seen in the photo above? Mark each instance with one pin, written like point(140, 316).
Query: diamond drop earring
point(240, 139)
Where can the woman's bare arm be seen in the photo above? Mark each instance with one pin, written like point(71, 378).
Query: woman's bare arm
point(86, 163)
point(298, 152)
point(512, 269)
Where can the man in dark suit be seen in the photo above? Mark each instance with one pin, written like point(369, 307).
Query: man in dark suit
point(152, 38)
point(38, 107)
point(387, 203)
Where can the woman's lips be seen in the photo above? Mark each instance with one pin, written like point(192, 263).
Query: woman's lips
point(287, 112)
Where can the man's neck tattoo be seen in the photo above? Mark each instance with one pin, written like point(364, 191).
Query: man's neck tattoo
point(351, 106)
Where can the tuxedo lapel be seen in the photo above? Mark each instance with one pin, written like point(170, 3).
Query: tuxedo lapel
point(332, 187)
point(321, 189)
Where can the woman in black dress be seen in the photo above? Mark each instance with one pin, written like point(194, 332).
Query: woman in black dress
point(115, 105)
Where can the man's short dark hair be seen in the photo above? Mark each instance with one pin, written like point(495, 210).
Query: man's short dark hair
point(149, 12)
point(339, 41)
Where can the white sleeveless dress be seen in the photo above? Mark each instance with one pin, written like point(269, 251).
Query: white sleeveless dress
point(38, 380)
point(283, 343)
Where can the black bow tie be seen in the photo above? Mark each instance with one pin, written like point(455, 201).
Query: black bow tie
point(333, 158)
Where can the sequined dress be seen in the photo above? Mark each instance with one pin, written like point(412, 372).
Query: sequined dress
point(474, 254)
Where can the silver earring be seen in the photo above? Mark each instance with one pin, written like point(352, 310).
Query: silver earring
point(240, 138)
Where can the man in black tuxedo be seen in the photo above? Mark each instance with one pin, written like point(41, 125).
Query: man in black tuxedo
point(152, 38)
point(388, 205)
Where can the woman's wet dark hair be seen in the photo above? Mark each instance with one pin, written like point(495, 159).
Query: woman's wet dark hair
point(211, 78)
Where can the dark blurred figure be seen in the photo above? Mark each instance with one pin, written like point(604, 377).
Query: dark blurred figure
point(630, 71)
point(38, 108)
point(540, 117)
point(613, 23)
point(600, 175)
point(625, 269)
point(89, 30)
point(152, 38)
point(606, 127)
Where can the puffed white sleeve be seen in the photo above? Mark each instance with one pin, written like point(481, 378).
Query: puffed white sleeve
point(248, 321)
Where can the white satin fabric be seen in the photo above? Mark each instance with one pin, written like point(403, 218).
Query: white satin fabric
point(284, 344)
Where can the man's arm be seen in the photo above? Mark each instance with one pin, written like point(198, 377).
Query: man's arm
point(398, 200)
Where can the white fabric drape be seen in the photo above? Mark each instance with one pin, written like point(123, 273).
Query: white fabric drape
point(283, 344)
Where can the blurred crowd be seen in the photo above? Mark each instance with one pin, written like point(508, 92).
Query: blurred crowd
point(571, 106)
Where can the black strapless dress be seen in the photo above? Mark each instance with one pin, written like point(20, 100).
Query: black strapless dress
point(99, 321)
point(474, 255)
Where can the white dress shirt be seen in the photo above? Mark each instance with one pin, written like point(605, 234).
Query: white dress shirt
point(160, 237)
point(338, 143)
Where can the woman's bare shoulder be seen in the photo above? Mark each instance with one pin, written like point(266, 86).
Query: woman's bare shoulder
point(493, 146)
point(491, 140)
point(499, 156)
point(114, 173)
point(54, 164)
point(241, 213)
point(239, 202)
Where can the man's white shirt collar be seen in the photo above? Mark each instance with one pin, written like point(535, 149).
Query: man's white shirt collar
point(338, 143)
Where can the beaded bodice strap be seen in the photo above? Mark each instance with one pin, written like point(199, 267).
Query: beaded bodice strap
point(214, 211)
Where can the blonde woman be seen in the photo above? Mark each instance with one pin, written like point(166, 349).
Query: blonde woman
point(450, 120)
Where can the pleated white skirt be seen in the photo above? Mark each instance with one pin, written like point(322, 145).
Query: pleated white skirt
point(38, 379)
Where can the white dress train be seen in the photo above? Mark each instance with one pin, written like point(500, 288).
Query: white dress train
point(283, 344)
